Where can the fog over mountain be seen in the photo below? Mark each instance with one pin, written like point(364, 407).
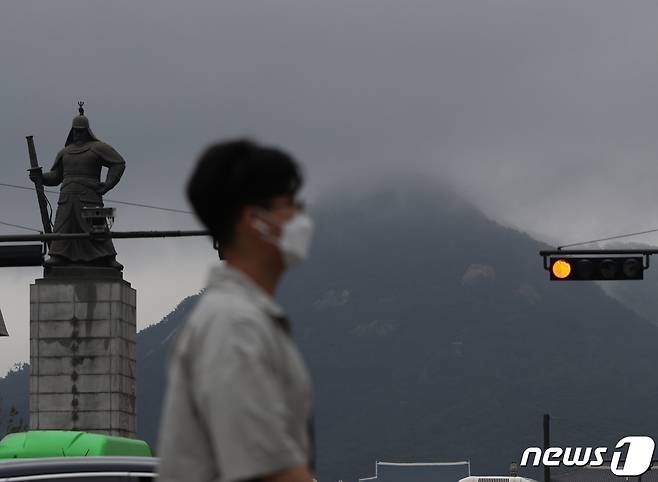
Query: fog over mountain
point(433, 334)
point(543, 114)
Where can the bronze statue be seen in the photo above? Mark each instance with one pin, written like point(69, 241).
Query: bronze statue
point(77, 168)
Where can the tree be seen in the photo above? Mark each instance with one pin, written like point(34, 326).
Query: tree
point(16, 422)
point(12, 421)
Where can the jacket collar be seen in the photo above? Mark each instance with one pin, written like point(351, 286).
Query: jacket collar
point(231, 279)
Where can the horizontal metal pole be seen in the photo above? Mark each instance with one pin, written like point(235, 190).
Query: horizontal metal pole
point(112, 234)
point(156, 234)
point(602, 252)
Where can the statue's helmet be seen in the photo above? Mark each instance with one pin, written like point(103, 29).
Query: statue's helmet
point(80, 122)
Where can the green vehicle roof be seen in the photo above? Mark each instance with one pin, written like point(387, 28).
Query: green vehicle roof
point(59, 443)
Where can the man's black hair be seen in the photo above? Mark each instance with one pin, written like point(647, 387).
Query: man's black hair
point(233, 174)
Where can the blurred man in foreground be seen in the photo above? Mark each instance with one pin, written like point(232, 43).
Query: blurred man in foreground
point(238, 403)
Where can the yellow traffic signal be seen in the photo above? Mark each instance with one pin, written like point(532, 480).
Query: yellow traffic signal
point(561, 269)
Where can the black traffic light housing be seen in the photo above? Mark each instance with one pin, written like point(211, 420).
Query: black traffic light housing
point(607, 268)
point(596, 264)
point(21, 255)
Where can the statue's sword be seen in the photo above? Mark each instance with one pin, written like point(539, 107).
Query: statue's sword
point(38, 185)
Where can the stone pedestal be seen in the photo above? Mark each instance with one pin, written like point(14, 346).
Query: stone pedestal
point(82, 352)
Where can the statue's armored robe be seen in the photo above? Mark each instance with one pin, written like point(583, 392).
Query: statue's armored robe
point(78, 168)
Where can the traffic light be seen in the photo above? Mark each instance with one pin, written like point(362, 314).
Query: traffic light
point(21, 255)
point(578, 268)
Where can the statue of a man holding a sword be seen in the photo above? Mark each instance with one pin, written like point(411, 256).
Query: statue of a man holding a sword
point(77, 168)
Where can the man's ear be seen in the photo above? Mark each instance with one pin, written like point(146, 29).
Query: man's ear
point(260, 226)
point(252, 221)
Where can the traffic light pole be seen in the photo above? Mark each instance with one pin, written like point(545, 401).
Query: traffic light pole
point(549, 252)
point(17, 255)
point(596, 252)
point(46, 237)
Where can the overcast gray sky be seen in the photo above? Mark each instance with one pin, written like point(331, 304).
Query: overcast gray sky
point(543, 113)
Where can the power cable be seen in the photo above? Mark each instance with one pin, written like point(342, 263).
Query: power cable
point(19, 226)
point(149, 206)
point(608, 238)
point(172, 210)
point(21, 187)
point(182, 211)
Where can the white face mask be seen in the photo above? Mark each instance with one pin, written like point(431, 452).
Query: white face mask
point(295, 240)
